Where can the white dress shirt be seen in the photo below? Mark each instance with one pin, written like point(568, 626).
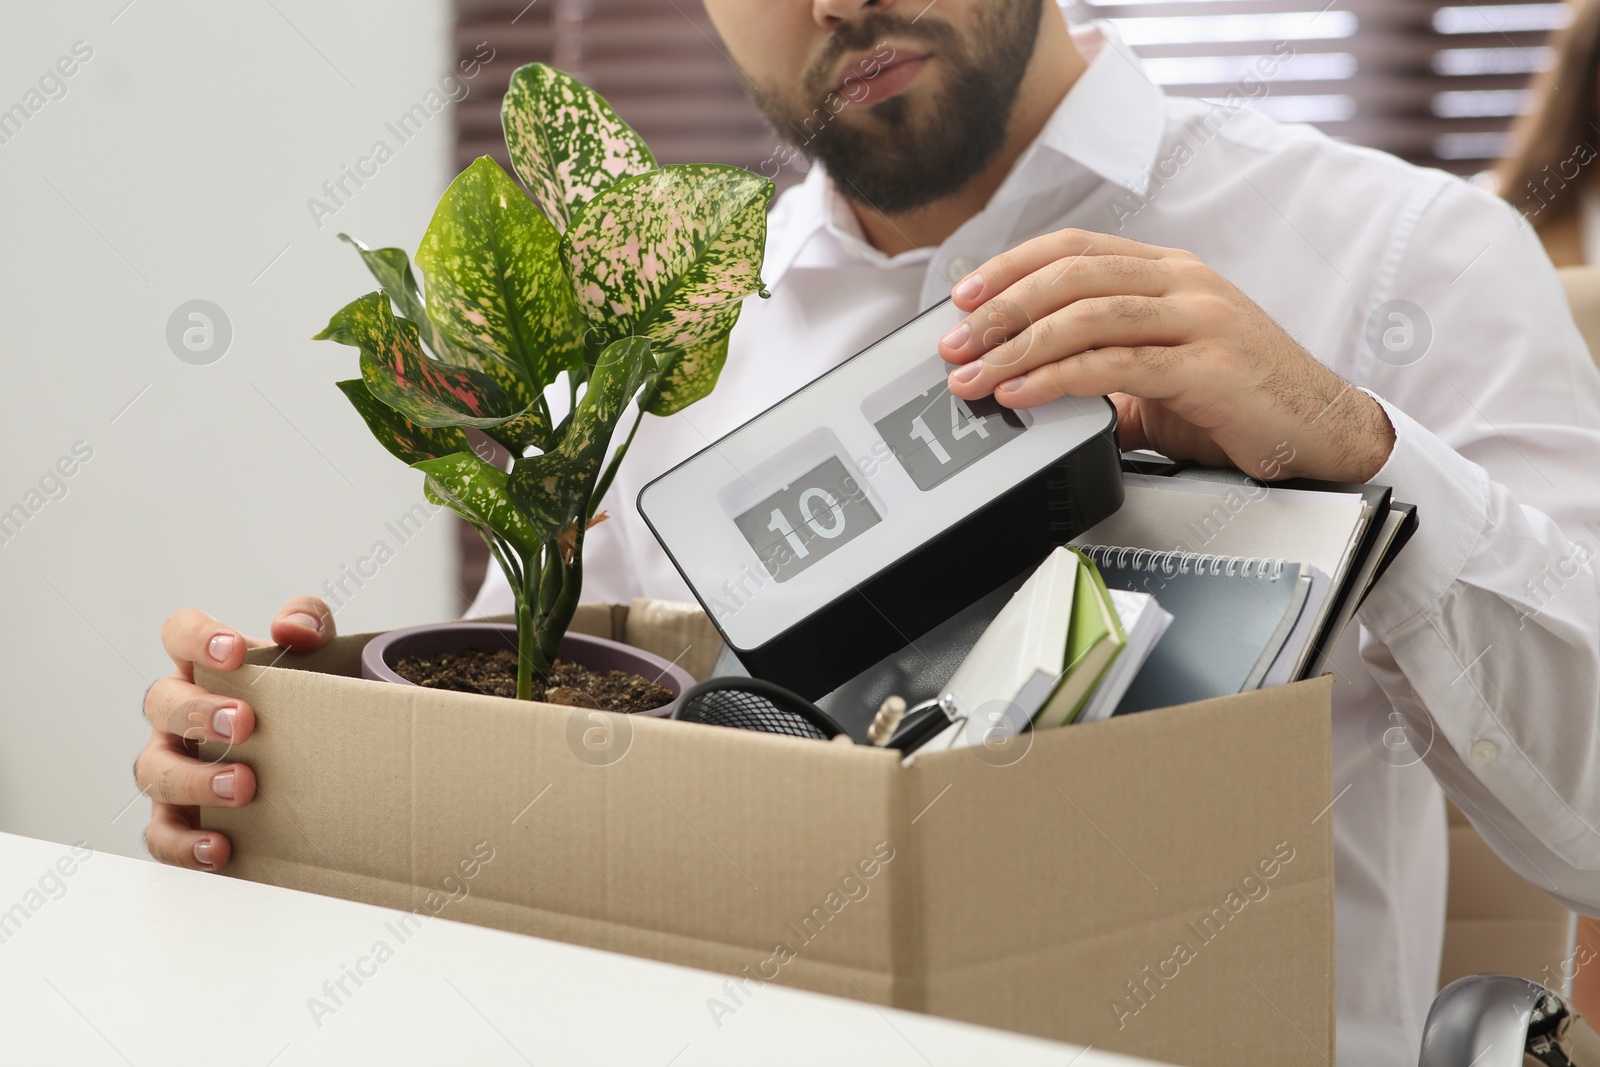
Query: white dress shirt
point(1483, 634)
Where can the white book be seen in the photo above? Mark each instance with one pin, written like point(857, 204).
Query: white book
point(1020, 657)
point(1143, 621)
point(1018, 662)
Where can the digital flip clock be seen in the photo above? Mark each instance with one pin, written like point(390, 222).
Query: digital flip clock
point(851, 517)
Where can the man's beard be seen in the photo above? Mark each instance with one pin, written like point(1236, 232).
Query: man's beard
point(887, 158)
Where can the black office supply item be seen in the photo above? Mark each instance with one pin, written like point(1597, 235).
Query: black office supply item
point(754, 704)
point(922, 724)
point(869, 506)
point(1407, 527)
point(743, 703)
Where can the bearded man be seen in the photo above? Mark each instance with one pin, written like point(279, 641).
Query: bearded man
point(1248, 294)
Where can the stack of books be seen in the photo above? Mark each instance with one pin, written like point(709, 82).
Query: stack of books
point(1202, 585)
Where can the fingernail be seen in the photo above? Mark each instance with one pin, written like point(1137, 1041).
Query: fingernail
point(967, 371)
point(202, 851)
point(1011, 385)
point(309, 622)
point(222, 785)
point(222, 721)
point(957, 337)
point(969, 287)
point(220, 646)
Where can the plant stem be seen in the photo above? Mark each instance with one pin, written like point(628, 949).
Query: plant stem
point(523, 576)
point(550, 579)
point(554, 625)
point(531, 658)
point(507, 559)
point(532, 662)
point(611, 468)
point(525, 639)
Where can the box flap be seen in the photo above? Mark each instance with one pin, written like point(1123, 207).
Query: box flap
point(1167, 875)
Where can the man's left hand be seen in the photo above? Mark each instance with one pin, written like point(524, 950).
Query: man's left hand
point(1196, 369)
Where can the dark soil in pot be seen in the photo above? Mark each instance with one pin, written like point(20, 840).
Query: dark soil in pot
point(495, 674)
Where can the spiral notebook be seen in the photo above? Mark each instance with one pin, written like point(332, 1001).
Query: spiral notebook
point(1234, 619)
point(1348, 532)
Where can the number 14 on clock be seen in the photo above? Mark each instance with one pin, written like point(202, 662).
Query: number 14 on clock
point(936, 435)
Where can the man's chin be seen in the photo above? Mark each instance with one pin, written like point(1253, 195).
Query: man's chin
point(904, 111)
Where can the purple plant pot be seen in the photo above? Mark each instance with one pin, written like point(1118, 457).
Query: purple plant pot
point(596, 653)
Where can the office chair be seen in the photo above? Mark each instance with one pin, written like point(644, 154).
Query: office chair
point(1500, 1020)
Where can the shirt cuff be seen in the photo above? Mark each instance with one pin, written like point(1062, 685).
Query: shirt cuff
point(1451, 494)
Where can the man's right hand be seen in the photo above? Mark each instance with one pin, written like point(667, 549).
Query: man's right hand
point(182, 714)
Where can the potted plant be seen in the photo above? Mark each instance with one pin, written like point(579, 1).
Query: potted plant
point(619, 276)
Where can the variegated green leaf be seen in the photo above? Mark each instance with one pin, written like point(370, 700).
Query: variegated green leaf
point(392, 268)
point(551, 489)
point(671, 254)
point(398, 373)
point(497, 284)
point(398, 434)
point(687, 374)
point(567, 144)
point(476, 491)
point(517, 433)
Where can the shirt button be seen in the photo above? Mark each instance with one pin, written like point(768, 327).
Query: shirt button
point(1484, 751)
point(960, 267)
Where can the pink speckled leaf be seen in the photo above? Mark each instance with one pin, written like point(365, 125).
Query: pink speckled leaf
point(497, 284)
point(567, 144)
point(399, 435)
point(392, 268)
point(687, 374)
point(671, 254)
point(398, 373)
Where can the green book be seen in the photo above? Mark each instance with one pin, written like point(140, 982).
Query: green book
point(1094, 639)
point(1047, 649)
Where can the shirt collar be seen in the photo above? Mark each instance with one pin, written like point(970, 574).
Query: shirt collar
point(1110, 122)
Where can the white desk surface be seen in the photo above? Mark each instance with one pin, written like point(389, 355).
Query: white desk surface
point(127, 962)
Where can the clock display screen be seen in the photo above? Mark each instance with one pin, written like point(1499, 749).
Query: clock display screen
point(934, 435)
point(807, 520)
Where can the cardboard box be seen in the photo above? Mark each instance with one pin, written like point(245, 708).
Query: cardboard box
point(1160, 884)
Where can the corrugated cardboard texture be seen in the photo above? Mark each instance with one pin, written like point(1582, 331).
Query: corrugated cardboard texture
point(1085, 866)
point(1032, 896)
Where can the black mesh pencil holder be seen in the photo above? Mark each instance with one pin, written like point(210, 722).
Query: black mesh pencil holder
point(752, 704)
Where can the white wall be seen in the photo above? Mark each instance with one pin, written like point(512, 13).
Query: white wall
point(178, 166)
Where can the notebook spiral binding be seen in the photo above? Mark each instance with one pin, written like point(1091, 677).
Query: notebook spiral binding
point(1176, 562)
